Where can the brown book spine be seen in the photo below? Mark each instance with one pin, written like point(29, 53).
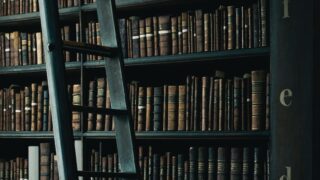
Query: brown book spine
point(237, 39)
point(149, 36)
point(250, 28)
point(142, 37)
point(231, 27)
point(192, 34)
point(228, 105)
point(204, 104)
point(258, 97)
point(210, 103)
point(216, 105)
point(168, 166)
point(129, 37)
point(235, 165)
point(76, 100)
point(172, 107)
point(149, 108)
point(44, 161)
point(174, 167)
point(199, 30)
point(101, 88)
point(109, 123)
point(267, 102)
point(182, 108)
point(163, 172)
point(141, 109)
point(7, 49)
point(164, 35)
point(91, 103)
point(221, 102)
point(155, 22)
point(188, 103)
point(180, 44)
point(206, 31)
point(39, 48)
point(1, 111)
point(27, 108)
point(174, 35)
point(18, 111)
point(34, 106)
point(40, 108)
point(185, 32)
point(157, 108)
point(196, 104)
point(15, 48)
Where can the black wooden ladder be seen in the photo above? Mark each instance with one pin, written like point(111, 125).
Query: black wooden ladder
point(60, 105)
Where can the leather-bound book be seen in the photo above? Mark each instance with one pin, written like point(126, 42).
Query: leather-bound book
point(1, 110)
point(180, 44)
point(243, 27)
point(27, 108)
point(237, 103)
point(101, 91)
point(264, 26)
point(212, 163)
point(141, 153)
point(237, 38)
point(123, 36)
point(7, 49)
point(180, 169)
point(45, 113)
point(34, 49)
point(66, 32)
point(224, 26)
point(256, 25)
point(246, 164)
point(192, 163)
point(163, 169)
point(142, 38)
point(210, 102)
point(246, 102)
point(135, 36)
point(191, 39)
point(206, 31)
point(182, 108)
point(155, 23)
point(258, 97)
point(186, 169)
point(185, 32)
point(17, 111)
point(24, 48)
point(156, 167)
point(145, 168)
point(188, 103)
point(44, 161)
point(34, 106)
point(172, 107)
point(196, 104)
point(168, 166)
point(257, 164)
point(231, 27)
point(250, 27)
point(164, 35)
point(149, 109)
point(205, 104)
point(149, 36)
point(129, 37)
point(150, 163)
point(39, 48)
point(174, 35)
point(267, 126)
point(174, 167)
point(157, 108)
point(236, 163)
point(199, 30)
point(202, 163)
point(51, 166)
point(15, 41)
point(22, 122)
point(221, 164)
point(221, 97)
point(165, 108)
point(76, 100)
point(40, 108)
point(141, 108)
point(92, 103)
point(216, 105)
point(228, 105)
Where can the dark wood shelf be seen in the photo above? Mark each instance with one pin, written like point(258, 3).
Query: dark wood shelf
point(31, 135)
point(186, 135)
point(231, 55)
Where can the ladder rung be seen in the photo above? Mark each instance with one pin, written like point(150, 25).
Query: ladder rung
point(102, 111)
point(107, 174)
point(89, 48)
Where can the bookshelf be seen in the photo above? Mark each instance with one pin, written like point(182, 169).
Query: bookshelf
point(280, 62)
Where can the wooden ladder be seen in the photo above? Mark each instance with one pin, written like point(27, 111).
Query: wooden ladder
point(61, 107)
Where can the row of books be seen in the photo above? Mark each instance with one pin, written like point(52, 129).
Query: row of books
point(195, 163)
point(12, 7)
point(208, 103)
point(22, 48)
point(16, 168)
point(27, 108)
point(223, 28)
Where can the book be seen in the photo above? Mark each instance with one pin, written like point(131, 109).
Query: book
point(164, 32)
point(76, 100)
point(141, 109)
point(92, 103)
point(157, 108)
point(44, 161)
point(149, 108)
point(258, 100)
point(181, 107)
point(221, 164)
point(101, 89)
point(235, 163)
point(172, 107)
point(202, 163)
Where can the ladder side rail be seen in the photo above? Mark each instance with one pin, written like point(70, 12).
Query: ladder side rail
point(59, 101)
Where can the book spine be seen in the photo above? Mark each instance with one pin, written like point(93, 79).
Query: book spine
point(45, 105)
point(109, 123)
point(172, 107)
point(165, 108)
point(257, 167)
point(267, 126)
point(206, 31)
point(199, 30)
point(157, 108)
point(263, 17)
point(40, 108)
point(235, 165)
point(155, 23)
point(141, 108)
point(156, 167)
point(212, 163)
point(168, 166)
point(221, 164)
point(185, 32)
point(231, 28)
point(204, 104)
point(196, 104)
point(101, 91)
point(181, 108)
point(135, 37)
point(258, 99)
point(192, 163)
point(142, 37)
point(188, 103)
point(180, 170)
point(18, 111)
point(149, 108)
point(44, 161)
point(163, 172)
point(149, 36)
point(180, 43)
point(76, 100)
point(164, 35)
point(174, 35)
point(34, 106)
point(202, 163)
point(91, 103)
point(237, 104)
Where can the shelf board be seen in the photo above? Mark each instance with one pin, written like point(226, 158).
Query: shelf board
point(31, 19)
point(29, 69)
point(233, 55)
point(186, 135)
point(31, 134)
